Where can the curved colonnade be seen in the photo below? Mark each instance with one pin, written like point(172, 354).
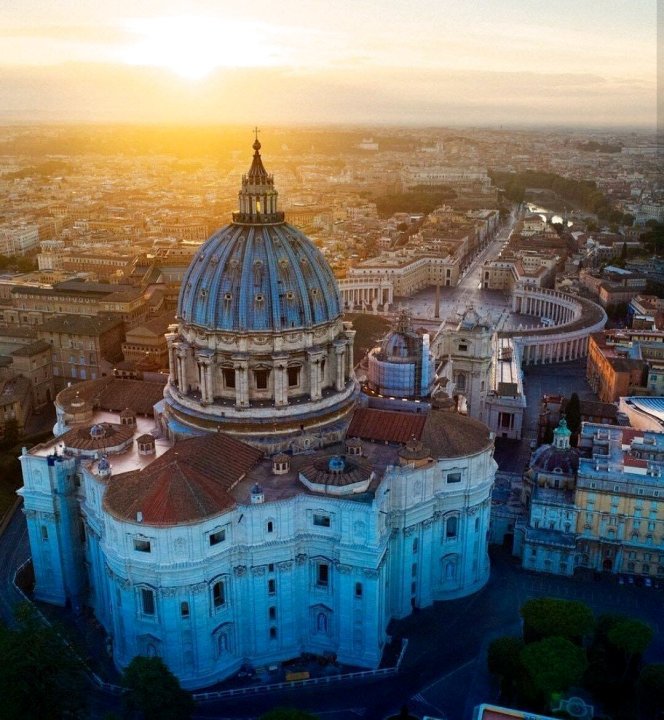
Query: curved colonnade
point(574, 318)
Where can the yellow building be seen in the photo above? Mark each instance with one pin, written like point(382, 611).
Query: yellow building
point(620, 501)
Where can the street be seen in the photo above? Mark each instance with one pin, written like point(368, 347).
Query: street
point(493, 304)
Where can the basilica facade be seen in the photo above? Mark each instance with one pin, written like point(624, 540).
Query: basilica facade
point(255, 508)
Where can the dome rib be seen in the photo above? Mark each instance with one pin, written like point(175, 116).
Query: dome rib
point(299, 285)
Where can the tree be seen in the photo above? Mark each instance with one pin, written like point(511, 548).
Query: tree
point(632, 638)
point(39, 676)
point(650, 688)
point(573, 414)
point(503, 659)
point(552, 665)
point(545, 617)
point(11, 433)
point(153, 689)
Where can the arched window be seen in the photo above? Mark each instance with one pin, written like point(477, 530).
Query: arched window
point(449, 569)
point(222, 643)
point(218, 594)
point(321, 622)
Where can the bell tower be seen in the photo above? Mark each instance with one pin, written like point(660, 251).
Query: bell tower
point(469, 348)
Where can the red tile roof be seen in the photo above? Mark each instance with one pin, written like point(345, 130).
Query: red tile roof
point(190, 482)
point(386, 425)
point(630, 461)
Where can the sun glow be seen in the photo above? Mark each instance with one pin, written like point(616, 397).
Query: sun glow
point(194, 46)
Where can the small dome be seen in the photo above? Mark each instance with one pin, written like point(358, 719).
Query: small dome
point(97, 431)
point(336, 464)
point(550, 459)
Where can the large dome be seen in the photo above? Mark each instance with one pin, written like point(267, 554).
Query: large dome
point(260, 349)
point(258, 274)
point(258, 278)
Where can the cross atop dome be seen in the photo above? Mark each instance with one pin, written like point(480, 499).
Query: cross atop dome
point(258, 197)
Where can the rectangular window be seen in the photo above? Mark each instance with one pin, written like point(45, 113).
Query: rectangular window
point(261, 379)
point(229, 378)
point(358, 590)
point(184, 609)
point(142, 545)
point(147, 601)
point(322, 574)
point(217, 537)
point(44, 533)
point(322, 520)
point(453, 477)
point(271, 586)
point(272, 612)
point(293, 376)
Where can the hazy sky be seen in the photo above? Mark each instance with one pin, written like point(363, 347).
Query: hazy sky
point(483, 62)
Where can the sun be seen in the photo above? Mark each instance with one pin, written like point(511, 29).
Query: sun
point(193, 46)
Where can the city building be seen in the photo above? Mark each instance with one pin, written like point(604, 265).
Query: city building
point(595, 508)
point(619, 496)
point(626, 362)
point(644, 413)
point(258, 510)
point(403, 366)
point(546, 538)
point(82, 348)
point(23, 355)
point(485, 372)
